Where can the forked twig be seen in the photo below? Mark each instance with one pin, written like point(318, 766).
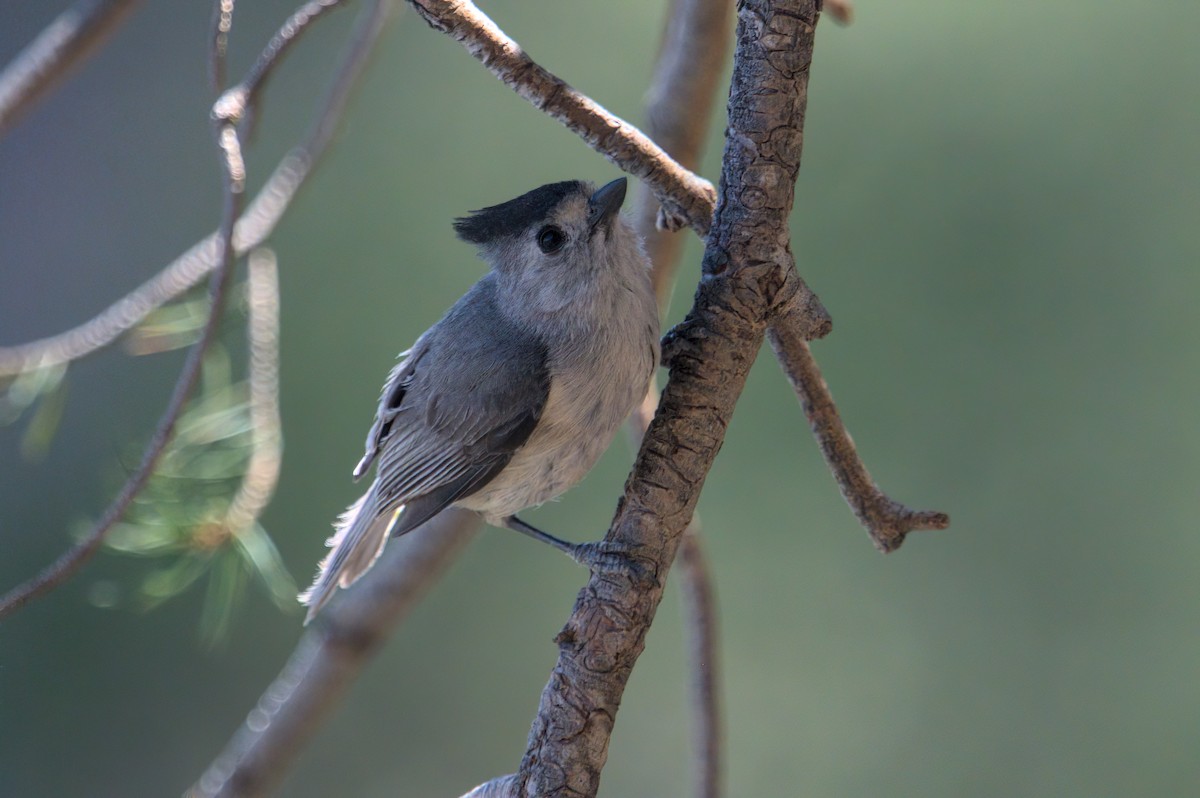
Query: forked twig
point(252, 229)
point(234, 174)
point(226, 114)
point(887, 520)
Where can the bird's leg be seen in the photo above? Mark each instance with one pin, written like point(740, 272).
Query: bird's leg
point(600, 556)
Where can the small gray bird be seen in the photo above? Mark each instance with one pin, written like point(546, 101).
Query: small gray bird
point(511, 398)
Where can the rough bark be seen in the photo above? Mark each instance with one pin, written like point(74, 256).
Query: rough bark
point(747, 272)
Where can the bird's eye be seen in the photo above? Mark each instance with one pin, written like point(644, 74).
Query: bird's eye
point(550, 239)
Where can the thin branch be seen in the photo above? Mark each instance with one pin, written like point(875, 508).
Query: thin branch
point(235, 102)
point(226, 114)
point(330, 656)
point(65, 43)
point(218, 44)
point(262, 471)
point(234, 173)
point(686, 194)
point(700, 614)
point(678, 107)
point(255, 226)
point(887, 520)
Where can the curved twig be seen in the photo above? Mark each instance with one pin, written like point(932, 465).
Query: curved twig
point(234, 173)
point(252, 229)
point(67, 41)
point(262, 470)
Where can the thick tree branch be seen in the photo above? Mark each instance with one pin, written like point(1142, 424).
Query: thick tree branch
point(252, 229)
point(887, 520)
point(234, 174)
point(65, 43)
point(330, 656)
point(679, 104)
point(747, 266)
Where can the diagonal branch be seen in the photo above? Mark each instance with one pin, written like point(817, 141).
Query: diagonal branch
point(234, 173)
point(686, 194)
point(746, 269)
point(330, 656)
point(252, 229)
point(226, 115)
point(887, 520)
point(65, 43)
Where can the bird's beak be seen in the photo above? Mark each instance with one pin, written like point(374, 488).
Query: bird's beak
point(604, 204)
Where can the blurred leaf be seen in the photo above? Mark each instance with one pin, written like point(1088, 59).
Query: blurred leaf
point(171, 327)
point(169, 582)
point(35, 443)
point(264, 559)
point(224, 586)
point(26, 389)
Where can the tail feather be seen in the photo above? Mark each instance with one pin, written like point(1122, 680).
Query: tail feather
point(358, 539)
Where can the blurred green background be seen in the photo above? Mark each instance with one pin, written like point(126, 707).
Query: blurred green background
point(999, 205)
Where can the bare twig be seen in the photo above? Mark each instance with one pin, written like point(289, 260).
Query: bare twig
point(678, 106)
point(887, 520)
point(255, 226)
point(262, 472)
point(74, 35)
point(234, 173)
point(218, 46)
point(330, 656)
point(227, 112)
point(686, 194)
point(842, 11)
point(700, 612)
point(236, 102)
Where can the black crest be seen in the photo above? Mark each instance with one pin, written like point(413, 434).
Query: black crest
point(513, 217)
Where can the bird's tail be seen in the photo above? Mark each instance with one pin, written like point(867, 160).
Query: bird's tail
point(358, 539)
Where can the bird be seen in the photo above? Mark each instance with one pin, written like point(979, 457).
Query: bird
point(513, 395)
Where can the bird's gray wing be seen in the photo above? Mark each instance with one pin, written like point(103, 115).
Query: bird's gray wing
point(467, 397)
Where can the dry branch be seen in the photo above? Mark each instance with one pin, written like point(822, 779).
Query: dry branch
point(234, 178)
point(226, 114)
point(887, 520)
point(678, 106)
point(620, 142)
point(746, 269)
point(252, 229)
point(65, 43)
point(330, 656)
